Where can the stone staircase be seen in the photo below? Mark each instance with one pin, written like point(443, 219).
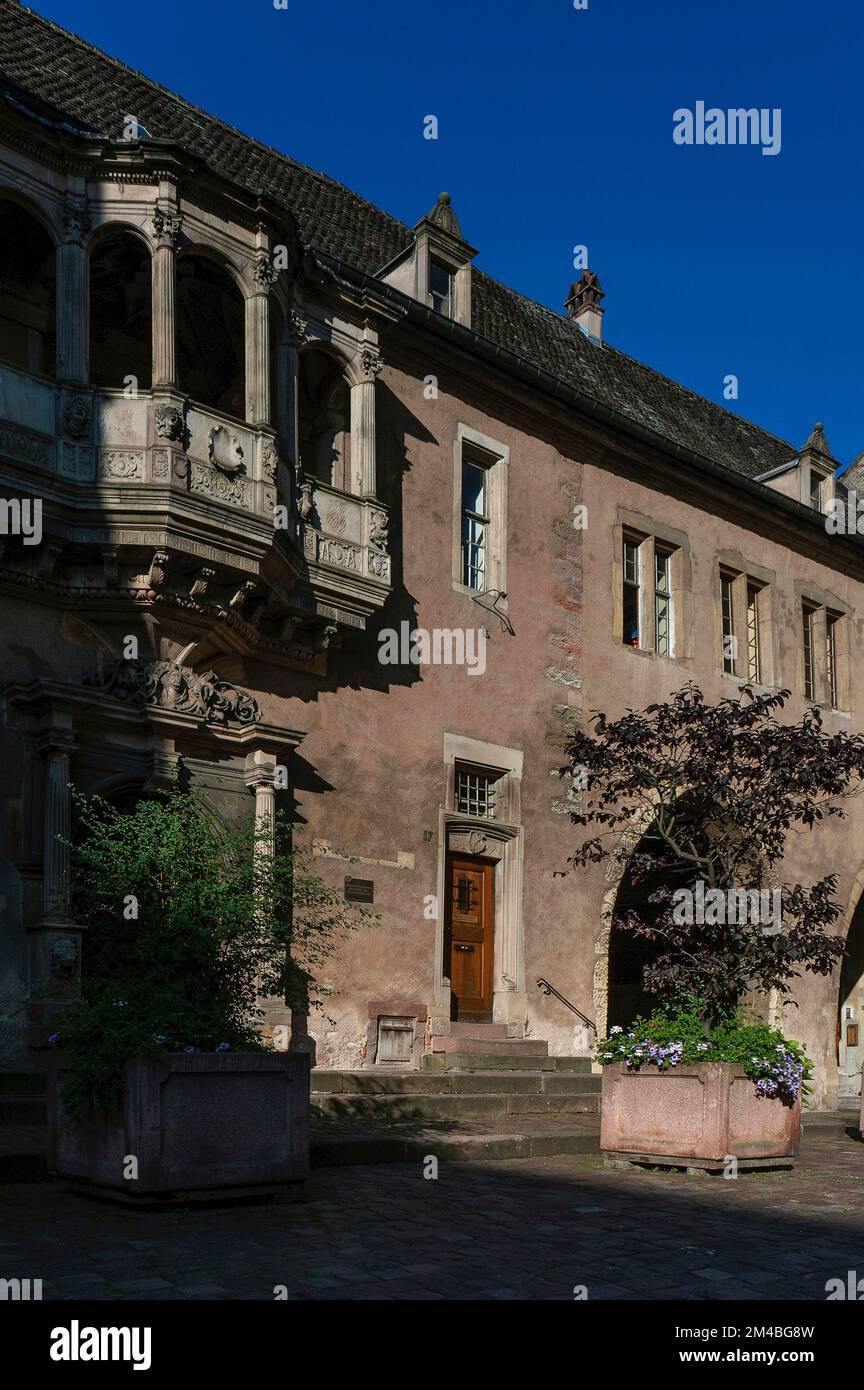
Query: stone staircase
point(478, 1094)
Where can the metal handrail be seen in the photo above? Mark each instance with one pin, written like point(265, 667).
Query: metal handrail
point(550, 989)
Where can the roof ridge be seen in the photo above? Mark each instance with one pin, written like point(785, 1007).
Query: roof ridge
point(200, 110)
point(645, 366)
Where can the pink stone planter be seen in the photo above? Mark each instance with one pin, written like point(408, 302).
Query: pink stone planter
point(197, 1125)
point(694, 1116)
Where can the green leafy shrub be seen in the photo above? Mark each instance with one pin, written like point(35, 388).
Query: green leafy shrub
point(190, 922)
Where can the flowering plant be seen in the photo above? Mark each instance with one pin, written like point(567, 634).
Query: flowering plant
point(675, 1036)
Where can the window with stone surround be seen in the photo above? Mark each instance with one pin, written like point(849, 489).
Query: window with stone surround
point(808, 613)
point(440, 287)
point(475, 791)
point(650, 571)
point(479, 515)
point(745, 626)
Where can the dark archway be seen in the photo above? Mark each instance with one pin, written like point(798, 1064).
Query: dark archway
point(121, 333)
point(211, 336)
point(850, 1015)
point(27, 291)
point(629, 952)
point(325, 419)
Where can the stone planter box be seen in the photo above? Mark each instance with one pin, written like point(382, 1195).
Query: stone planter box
point(861, 1119)
point(695, 1117)
point(199, 1125)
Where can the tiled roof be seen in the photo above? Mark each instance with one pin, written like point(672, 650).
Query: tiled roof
point(98, 92)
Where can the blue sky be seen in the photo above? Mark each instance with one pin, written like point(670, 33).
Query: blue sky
point(555, 129)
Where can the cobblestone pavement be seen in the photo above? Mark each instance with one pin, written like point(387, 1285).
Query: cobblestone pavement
point(520, 1229)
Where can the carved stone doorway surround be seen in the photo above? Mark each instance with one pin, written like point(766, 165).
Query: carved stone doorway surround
point(502, 845)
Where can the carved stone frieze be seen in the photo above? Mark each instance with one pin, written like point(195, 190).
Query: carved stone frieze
point(237, 491)
point(121, 464)
point(27, 448)
point(172, 687)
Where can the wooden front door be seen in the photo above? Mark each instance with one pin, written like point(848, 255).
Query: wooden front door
point(470, 924)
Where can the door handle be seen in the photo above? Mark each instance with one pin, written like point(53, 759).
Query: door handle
point(464, 948)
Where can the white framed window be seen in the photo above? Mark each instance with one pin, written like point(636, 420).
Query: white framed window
point(480, 514)
point(808, 613)
point(440, 288)
point(754, 633)
point(649, 582)
point(475, 523)
point(632, 600)
point(662, 602)
point(727, 621)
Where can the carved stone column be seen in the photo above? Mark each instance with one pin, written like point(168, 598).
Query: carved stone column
point(260, 776)
point(57, 830)
point(55, 941)
point(363, 424)
point(73, 294)
point(167, 223)
point(295, 340)
point(258, 343)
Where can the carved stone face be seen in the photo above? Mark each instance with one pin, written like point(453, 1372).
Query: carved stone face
point(76, 417)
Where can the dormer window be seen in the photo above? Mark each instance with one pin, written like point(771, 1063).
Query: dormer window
point(816, 490)
point(440, 288)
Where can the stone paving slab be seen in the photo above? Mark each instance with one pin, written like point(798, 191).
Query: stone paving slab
point(523, 1229)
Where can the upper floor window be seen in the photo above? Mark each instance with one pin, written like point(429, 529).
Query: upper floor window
point(631, 599)
point(807, 619)
point(754, 634)
point(744, 626)
point(832, 628)
point(825, 676)
point(816, 487)
point(27, 287)
point(727, 619)
point(475, 524)
point(650, 576)
point(441, 288)
point(662, 603)
point(480, 514)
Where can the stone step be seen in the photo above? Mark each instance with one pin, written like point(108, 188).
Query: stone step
point(381, 1081)
point(399, 1109)
point(525, 1138)
point(485, 1061)
point(23, 1110)
point(516, 1047)
point(478, 1030)
point(23, 1083)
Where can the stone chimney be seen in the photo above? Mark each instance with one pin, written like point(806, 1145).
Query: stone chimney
point(583, 305)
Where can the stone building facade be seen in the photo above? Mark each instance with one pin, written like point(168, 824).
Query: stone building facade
point(273, 434)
